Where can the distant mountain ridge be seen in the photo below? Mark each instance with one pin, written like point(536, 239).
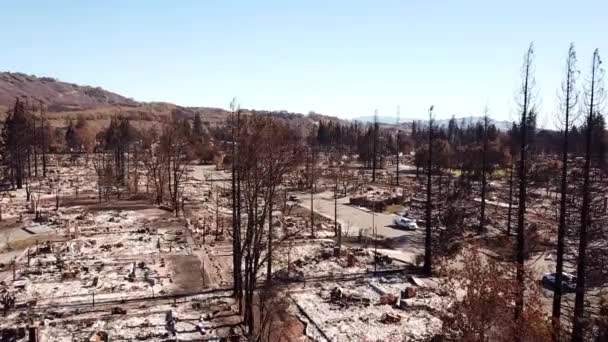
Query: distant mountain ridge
point(465, 120)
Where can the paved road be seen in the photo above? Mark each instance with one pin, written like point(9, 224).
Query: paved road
point(407, 244)
point(350, 216)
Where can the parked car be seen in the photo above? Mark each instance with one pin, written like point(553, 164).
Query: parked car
point(568, 282)
point(404, 222)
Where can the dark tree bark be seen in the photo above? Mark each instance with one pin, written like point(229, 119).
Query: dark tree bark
point(428, 255)
point(569, 92)
point(397, 149)
point(375, 147)
point(267, 151)
point(43, 138)
point(236, 248)
point(270, 246)
point(312, 190)
point(510, 210)
point(484, 157)
point(595, 92)
point(527, 94)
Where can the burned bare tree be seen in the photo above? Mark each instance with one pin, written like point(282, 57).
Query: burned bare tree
point(428, 243)
point(44, 138)
point(526, 103)
point(267, 150)
point(313, 185)
point(235, 120)
point(397, 149)
point(174, 144)
point(155, 161)
point(117, 138)
point(593, 101)
point(16, 143)
point(484, 171)
point(104, 168)
point(3, 194)
point(569, 101)
point(375, 146)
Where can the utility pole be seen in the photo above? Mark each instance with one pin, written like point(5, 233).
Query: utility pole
point(312, 191)
point(374, 230)
point(43, 138)
point(375, 146)
point(336, 204)
point(482, 218)
point(217, 212)
point(35, 146)
point(428, 268)
point(397, 149)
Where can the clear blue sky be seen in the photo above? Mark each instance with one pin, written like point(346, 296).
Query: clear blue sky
point(344, 58)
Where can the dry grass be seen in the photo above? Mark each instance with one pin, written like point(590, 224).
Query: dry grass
point(393, 209)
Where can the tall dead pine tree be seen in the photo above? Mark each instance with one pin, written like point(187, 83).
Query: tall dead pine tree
point(484, 168)
point(398, 145)
point(313, 161)
point(375, 147)
point(569, 100)
point(526, 106)
point(593, 98)
point(236, 196)
point(428, 255)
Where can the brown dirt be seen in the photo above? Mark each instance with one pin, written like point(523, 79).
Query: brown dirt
point(186, 272)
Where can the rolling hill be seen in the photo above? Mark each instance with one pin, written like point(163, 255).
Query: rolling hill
point(64, 102)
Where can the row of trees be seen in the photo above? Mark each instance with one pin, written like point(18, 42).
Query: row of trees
point(370, 142)
point(24, 144)
point(581, 174)
point(120, 153)
point(586, 192)
point(162, 154)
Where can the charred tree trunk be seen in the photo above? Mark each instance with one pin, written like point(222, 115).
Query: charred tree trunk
point(237, 237)
point(510, 210)
point(235, 245)
point(35, 148)
point(269, 262)
point(428, 257)
point(312, 191)
point(561, 229)
point(375, 147)
point(581, 267)
point(482, 216)
point(44, 143)
point(397, 149)
point(523, 184)
point(579, 301)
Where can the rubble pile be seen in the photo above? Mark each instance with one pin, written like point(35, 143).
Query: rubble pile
point(377, 199)
point(358, 311)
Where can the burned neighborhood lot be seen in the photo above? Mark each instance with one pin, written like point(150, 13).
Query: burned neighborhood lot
point(259, 229)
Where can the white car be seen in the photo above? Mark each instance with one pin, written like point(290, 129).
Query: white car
point(404, 222)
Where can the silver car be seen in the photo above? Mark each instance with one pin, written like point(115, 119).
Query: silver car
point(404, 222)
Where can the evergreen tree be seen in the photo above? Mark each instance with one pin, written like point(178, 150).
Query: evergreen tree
point(197, 126)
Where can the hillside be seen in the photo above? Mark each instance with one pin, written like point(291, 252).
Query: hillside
point(65, 101)
point(55, 95)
